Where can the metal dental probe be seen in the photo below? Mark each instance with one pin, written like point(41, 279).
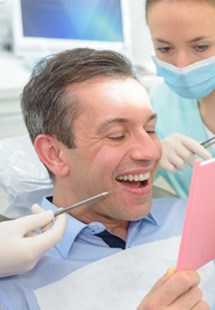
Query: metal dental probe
point(85, 201)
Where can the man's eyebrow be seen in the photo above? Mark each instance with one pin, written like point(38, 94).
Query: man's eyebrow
point(110, 122)
point(120, 120)
point(152, 117)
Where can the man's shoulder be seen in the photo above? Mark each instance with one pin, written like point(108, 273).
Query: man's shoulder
point(19, 289)
point(165, 209)
point(174, 204)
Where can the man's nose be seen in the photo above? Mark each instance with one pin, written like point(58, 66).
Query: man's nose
point(145, 148)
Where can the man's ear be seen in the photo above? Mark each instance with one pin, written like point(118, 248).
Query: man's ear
point(50, 151)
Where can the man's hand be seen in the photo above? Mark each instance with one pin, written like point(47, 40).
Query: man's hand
point(21, 246)
point(175, 291)
point(178, 149)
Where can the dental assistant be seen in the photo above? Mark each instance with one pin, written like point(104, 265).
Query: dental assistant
point(183, 35)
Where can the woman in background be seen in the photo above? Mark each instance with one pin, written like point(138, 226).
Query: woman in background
point(183, 35)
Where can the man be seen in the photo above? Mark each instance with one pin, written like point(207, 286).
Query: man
point(93, 127)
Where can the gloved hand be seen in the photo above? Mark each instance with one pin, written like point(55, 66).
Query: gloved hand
point(178, 149)
point(20, 249)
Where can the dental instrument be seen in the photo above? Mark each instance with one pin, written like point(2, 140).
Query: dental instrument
point(85, 201)
point(208, 142)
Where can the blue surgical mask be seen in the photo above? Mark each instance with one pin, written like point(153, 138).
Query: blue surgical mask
point(194, 81)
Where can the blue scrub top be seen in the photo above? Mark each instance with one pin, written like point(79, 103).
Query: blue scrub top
point(177, 115)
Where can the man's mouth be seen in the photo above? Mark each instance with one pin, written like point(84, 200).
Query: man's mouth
point(134, 180)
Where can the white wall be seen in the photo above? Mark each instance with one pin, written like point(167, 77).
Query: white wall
point(141, 42)
point(5, 33)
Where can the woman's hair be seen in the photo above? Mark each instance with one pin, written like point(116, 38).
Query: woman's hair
point(149, 3)
point(48, 103)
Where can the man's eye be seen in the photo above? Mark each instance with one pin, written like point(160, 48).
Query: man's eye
point(117, 137)
point(151, 132)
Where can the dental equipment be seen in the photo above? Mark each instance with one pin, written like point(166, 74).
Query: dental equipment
point(85, 201)
point(208, 142)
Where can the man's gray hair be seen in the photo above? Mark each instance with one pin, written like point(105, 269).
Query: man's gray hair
point(47, 108)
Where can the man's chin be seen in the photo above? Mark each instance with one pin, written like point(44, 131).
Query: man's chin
point(139, 211)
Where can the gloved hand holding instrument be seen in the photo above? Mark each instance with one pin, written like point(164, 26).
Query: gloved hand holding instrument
point(178, 149)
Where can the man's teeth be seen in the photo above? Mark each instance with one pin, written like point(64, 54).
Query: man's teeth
point(134, 177)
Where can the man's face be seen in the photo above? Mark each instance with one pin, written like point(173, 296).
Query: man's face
point(116, 146)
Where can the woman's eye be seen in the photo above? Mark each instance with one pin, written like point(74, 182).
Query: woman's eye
point(164, 50)
point(201, 48)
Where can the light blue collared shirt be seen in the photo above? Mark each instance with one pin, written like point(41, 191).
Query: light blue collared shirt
point(80, 246)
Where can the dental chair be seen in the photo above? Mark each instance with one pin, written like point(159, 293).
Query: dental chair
point(23, 177)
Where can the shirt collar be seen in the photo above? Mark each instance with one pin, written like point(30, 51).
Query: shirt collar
point(74, 227)
point(152, 219)
point(155, 215)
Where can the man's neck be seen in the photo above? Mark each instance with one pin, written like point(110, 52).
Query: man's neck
point(87, 214)
point(115, 227)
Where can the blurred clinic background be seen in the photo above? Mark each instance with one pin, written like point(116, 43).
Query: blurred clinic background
point(31, 29)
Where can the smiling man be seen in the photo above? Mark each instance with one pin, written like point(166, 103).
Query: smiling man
point(93, 127)
point(115, 145)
